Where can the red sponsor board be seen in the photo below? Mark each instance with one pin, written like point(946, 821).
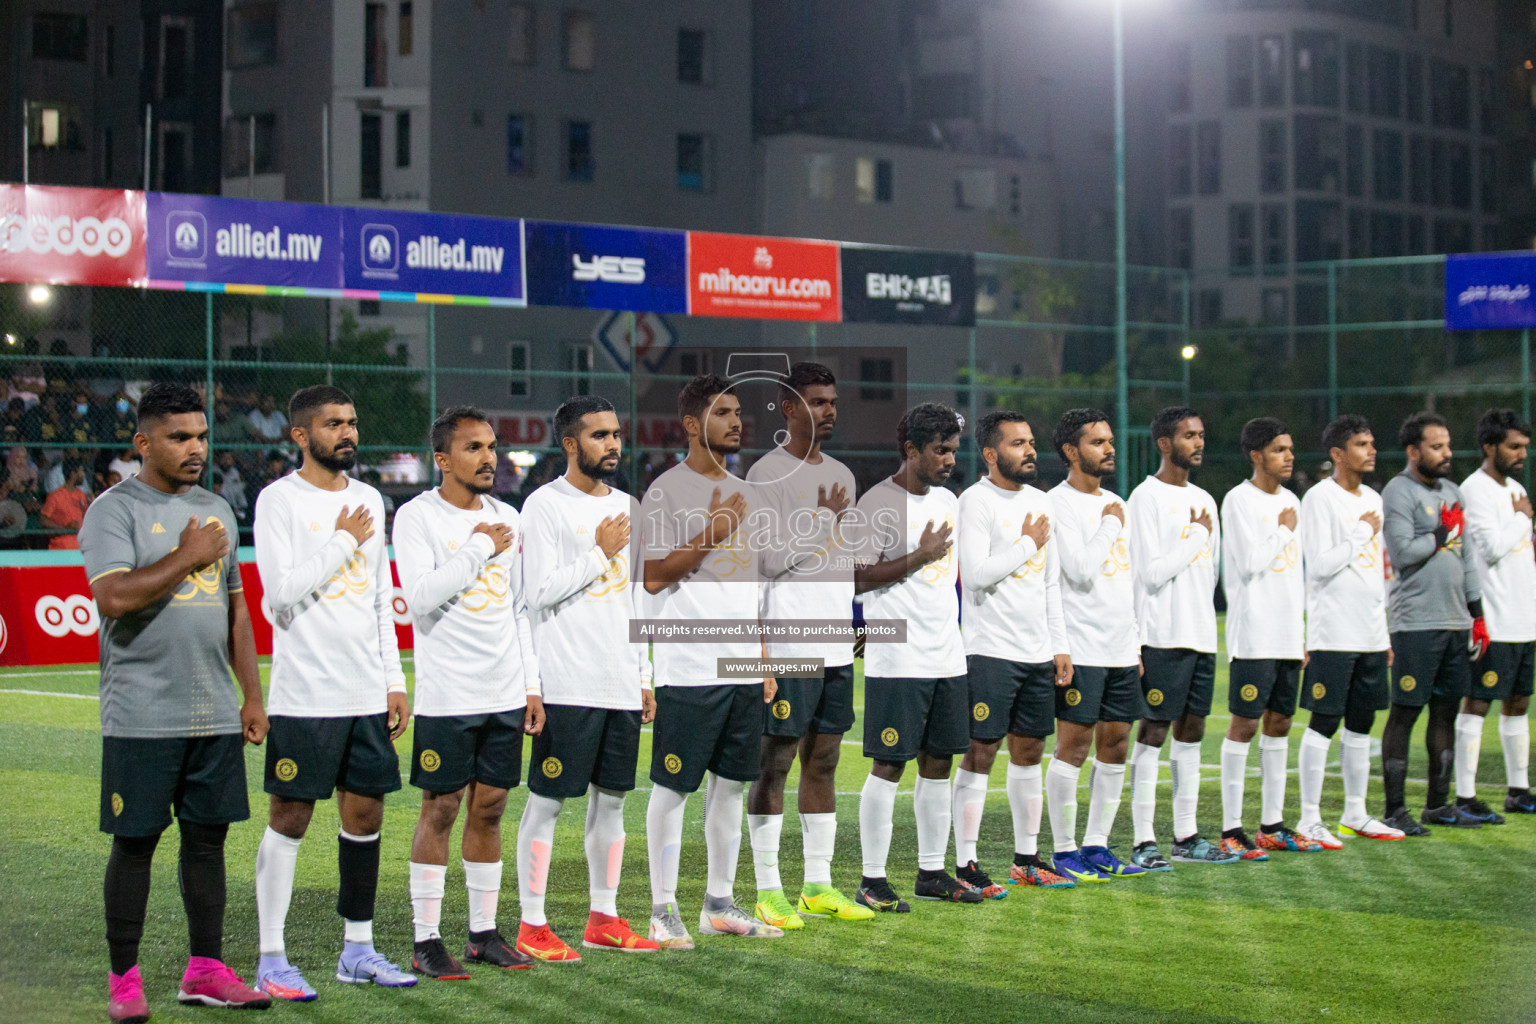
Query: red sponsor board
point(71, 235)
point(533, 430)
point(47, 616)
point(762, 278)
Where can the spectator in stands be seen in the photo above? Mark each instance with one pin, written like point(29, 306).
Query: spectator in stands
point(13, 422)
point(268, 424)
point(276, 468)
point(117, 422)
point(233, 489)
point(65, 507)
point(22, 484)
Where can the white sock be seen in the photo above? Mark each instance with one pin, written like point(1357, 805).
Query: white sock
point(482, 880)
point(535, 845)
point(1355, 759)
point(1143, 792)
point(765, 830)
point(1024, 799)
point(1105, 784)
point(605, 848)
point(1273, 752)
point(276, 859)
point(1515, 734)
point(1469, 747)
point(1061, 803)
point(930, 804)
point(1234, 768)
point(427, 899)
point(1184, 766)
point(818, 838)
point(722, 833)
point(664, 841)
point(1311, 761)
point(970, 799)
point(877, 806)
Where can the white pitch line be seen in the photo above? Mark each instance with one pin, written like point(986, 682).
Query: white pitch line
point(54, 693)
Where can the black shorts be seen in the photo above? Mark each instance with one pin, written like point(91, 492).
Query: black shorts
point(802, 704)
point(904, 716)
point(1257, 685)
point(1177, 682)
point(202, 777)
point(581, 745)
point(1506, 670)
point(1430, 663)
point(1101, 695)
point(310, 758)
point(716, 728)
point(1338, 682)
point(451, 751)
point(1010, 697)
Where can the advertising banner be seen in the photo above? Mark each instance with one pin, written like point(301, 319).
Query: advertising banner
point(762, 278)
point(908, 286)
point(71, 235)
point(1490, 291)
point(594, 267)
point(433, 253)
point(243, 241)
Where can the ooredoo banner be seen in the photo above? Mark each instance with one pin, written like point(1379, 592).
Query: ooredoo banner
point(243, 241)
point(1490, 291)
point(433, 254)
point(763, 278)
point(595, 267)
point(71, 235)
point(908, 286)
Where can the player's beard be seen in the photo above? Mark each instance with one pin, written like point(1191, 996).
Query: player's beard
point(594, 469)
point(1439, 471)
point(1510, 468)
point(333, 460)
point(1025, 471)
point(1099, 470)
point(1185, 462)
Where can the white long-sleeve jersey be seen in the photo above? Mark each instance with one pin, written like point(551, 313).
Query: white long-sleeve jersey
point(1501, 546)
point(1174, 563)
point(1098, 596)
point(1010, 590)
point(1345, 573)
point(1262, 576)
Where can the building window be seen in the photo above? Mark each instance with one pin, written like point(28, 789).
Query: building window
point(1450, 96)
point(1274, 238)
point(1386, 233)
point(1241, 243)
point(1208, 148)
point(106, 157)
point(402, 138)
point(1181, 87)
point(252, 35)
point(370, 158)
point(54, 126)
point(238, 142)
point(369, 307)
point(1359, 238)
point(176, 157)
point(1354, 78)
point(1459, 175)
point(520, 41)
point(1387, 164)
point(1181, 238)
point(692, 56)
point(578, 151)
point(976, 188)
point(375, 45)
point(1316, 81)
point(1420, 187)
point(1413, 84)
point(1276, 307)
point(1239, 71)
point(1487, 102)
point(1319, 149)
point(579, 363)
point(1272, 156)
point(1452, 235)
point(1271, 71)
point(1319, 230)
point(60, 37)
point(580, 41)
point(1384, 82)
point(520, 381)
point(1208, 307)
point(175, 57)
point(519, 144)
point(1354, 160)
point(406, 28)
point(1418, 237)
point(818, 175)
point(693, 163)
point(1180, 162)
point(1488, 178)
point(1449, 27)
point(872, 180)
point(872, 374)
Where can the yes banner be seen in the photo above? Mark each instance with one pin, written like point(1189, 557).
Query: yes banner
point(433, 254)
point(908, 286)
point(243, 241)
point(1490, 291)
point(595, 267)
point(71, 235)
point(763, 278)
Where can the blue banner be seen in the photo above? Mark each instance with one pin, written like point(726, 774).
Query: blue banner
point(433, 253)
point(595, 267)
point(242, 241)
point(1490, 291)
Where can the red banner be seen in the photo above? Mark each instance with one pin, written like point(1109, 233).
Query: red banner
point(71, 235)
point(762, 278)
point(47, 616)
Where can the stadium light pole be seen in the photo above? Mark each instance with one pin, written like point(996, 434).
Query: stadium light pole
point(1122, 369)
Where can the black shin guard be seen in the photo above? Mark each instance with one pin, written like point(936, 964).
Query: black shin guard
point(201, 873)
point(126, 894)
point(359, 864)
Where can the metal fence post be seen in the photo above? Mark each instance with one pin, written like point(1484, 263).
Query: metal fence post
point(1333, 341)
point(431, 380)
point(971, 454)
point(634, 416)
point(208, 375)
point(811, 334)
point(1525, 389)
